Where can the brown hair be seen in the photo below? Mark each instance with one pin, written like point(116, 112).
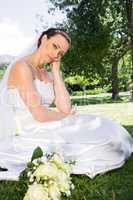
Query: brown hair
point(54, 31)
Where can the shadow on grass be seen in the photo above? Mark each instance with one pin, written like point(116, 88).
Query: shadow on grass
point(99, 100)
point(129, 128)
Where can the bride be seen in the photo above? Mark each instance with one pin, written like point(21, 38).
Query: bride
point(27, 90)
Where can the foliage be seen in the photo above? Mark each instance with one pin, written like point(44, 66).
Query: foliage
point(100, 32)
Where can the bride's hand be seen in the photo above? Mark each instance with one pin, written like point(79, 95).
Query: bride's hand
point(55, 66)
point(73, 110)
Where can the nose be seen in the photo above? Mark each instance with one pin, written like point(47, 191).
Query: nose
point(56, 54)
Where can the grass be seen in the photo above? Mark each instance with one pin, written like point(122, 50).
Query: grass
point(121, 112)
point(102, 98)
point(114, 185)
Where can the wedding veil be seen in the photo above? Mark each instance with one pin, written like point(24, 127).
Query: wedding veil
point(7, 121)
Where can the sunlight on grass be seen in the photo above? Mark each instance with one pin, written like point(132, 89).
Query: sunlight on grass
point(121, 112)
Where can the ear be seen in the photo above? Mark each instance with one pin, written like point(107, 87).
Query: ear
point(44, 38)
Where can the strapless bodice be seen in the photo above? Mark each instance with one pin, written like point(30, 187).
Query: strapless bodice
point(22, 115)
point(45, 90)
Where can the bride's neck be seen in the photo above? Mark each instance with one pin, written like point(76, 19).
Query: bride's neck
point(34, 60)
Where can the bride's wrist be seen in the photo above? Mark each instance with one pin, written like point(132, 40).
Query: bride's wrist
point(55, 70)
point(56, 74)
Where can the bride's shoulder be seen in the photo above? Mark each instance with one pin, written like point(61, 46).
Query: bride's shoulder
point(20, 71)
point(21, 68)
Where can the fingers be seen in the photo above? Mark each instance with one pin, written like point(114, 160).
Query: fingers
point(55, 65)
point(55, 62)
point(73, 110)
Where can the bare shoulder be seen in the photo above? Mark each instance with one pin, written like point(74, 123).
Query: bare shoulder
point(20, 71)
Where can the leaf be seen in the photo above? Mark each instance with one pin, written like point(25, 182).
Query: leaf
point(37, 153)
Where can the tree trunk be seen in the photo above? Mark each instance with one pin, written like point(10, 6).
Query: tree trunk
point(132, 71)
point(131, 38)
point(115, 81)
point(129, 9)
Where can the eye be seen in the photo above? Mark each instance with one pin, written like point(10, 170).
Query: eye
point(54, 45)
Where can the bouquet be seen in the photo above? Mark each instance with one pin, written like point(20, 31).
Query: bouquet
point(48, 177)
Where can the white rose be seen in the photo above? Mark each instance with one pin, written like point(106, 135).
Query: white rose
point(54, 192)
point(59, 162)
point(58, 159)
point(63, 182)
point(36, 192)
point(67, 168)
point(46, 170)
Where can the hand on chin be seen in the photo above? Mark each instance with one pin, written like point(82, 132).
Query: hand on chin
point(55, 64)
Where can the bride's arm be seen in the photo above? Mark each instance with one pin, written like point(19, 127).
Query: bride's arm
point(62, 97)
point(31, 98)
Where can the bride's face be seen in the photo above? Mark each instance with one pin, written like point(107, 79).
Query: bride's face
point(54, 48)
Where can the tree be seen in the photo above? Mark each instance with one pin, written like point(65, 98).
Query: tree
point(100, 31)
point(129, 14)
point(120, 43)
point(86, 30)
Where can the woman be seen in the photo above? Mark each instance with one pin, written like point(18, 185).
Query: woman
point(97, 144)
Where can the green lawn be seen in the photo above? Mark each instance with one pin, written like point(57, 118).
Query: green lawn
point(114, 185)
point(101, 98)
point(121, 112)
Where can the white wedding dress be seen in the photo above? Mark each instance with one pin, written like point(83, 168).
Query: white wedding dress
point(97, 144)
